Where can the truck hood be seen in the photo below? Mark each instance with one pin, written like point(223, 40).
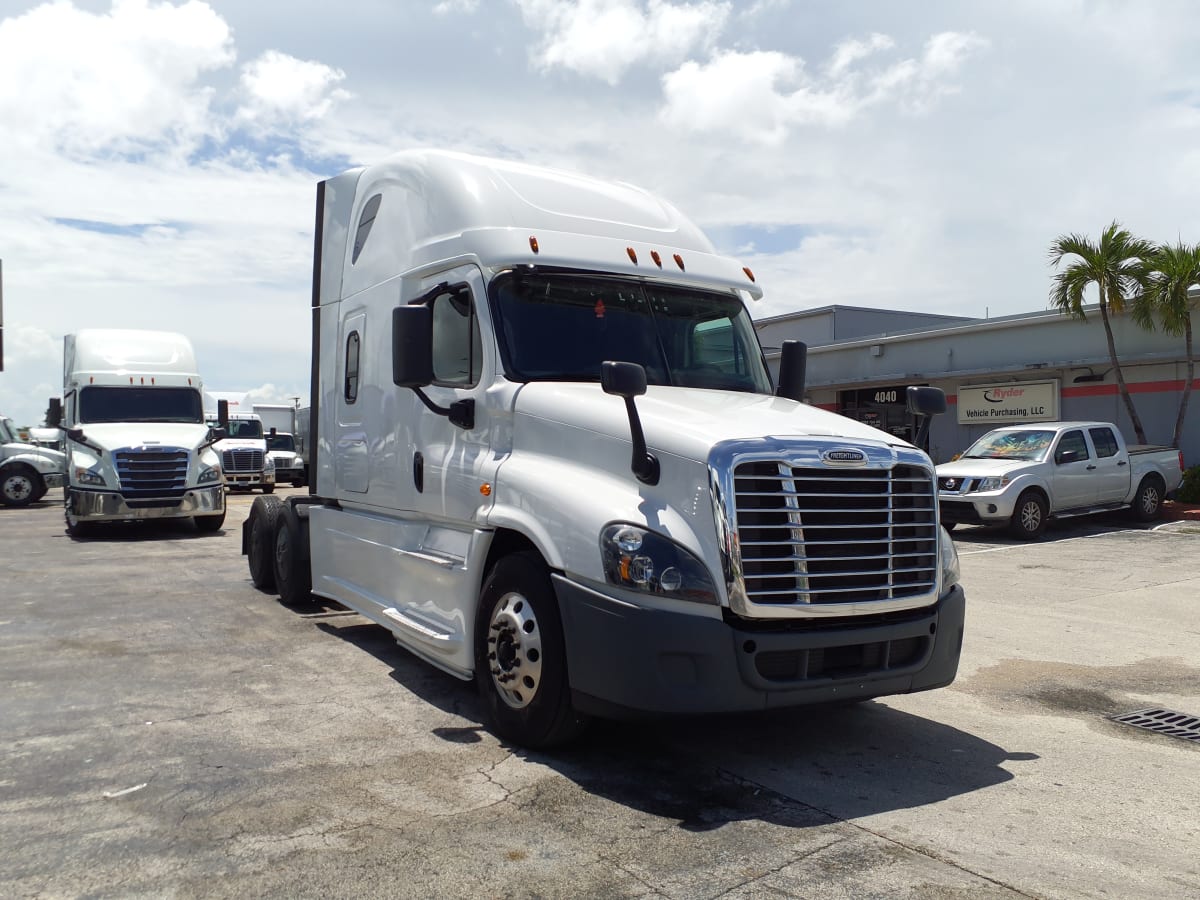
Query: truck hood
point(46, 459)
point(688, 422)
point(118, 435)
point(982, 468)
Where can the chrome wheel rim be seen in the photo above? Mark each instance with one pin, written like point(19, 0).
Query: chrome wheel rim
point(514, 650)
point(1150, 500)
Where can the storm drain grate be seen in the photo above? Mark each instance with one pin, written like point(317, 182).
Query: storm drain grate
point(1164, 721)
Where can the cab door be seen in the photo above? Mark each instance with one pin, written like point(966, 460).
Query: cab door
point(1112, 466)
point(1072, 482)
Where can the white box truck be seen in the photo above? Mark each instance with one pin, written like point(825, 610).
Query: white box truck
point(136, 442)
point(549, 458)
point(279, 427)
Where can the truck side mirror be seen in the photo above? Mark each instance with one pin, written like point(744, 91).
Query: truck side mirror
point(54, 413)
point(412, 346)
point(793, 363)
point(628, 380)
point(223, 413)
point(924, 402)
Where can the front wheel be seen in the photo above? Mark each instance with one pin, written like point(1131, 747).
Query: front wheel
point(76, 527)
point(268, 488)
point(19, 486)
point(1030, 516)
point(520, 656)
point(209, 524)
point(1147, 504)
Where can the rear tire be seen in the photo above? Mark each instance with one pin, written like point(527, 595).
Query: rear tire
point(268, 488)
point(293, 577)
point(1147, 503)
point(261, 550)
point(1029, 517)
point(521, 658)
point(19, 485)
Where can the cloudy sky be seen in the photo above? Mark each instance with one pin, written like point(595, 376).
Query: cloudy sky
point(158, 158)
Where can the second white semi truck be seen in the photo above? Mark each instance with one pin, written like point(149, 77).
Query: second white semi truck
point(550, 458)
point(136, 441)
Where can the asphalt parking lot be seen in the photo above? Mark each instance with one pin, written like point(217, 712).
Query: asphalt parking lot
point(168, 731)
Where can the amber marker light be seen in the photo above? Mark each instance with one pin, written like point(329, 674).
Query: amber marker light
point(679, 262)
point(533, 244)
point(657, 259)
point(485, 489)
point(632, 255)
point(749, 274)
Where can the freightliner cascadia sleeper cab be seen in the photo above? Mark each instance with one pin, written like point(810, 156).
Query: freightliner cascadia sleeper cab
point(549, 457)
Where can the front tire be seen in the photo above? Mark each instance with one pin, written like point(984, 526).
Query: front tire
point(261, 550)
point(268, 488)
point(521, 658)
point(76, 527)
point(1029, 517)
point(20, 486)
point(209, 524)
point(1147, 503)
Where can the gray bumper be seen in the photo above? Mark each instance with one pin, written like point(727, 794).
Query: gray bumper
point(55, 480)
point(626, 660)
point(107, 506)
point(249, 479)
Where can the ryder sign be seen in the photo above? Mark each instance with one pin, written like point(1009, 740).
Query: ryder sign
point(1015, 401)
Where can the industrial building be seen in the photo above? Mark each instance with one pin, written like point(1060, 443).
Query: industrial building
point(1038, 366)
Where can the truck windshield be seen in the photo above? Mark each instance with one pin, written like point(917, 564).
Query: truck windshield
point(561, 327)
point(241, 428)
point(139, 404)
point(281, 442)
point(1011, 445)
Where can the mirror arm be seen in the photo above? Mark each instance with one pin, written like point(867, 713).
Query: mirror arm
point(644, 463)
point(460, 412)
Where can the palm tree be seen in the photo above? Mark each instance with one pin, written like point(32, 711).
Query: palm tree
point(1171, 290)
point(1114, 265)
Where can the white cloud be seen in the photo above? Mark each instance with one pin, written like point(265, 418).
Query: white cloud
point(762, 96)
point(604, 38)
point(455, 7)
point(118, 82)
point(281, 89)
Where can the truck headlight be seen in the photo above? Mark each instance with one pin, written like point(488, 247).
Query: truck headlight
point(209, 474)
point(641, 560)
point(948, 554)
point(269, 465)
point(991, 484)
point(89, 476)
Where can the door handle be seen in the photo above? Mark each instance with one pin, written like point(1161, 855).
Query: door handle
point(1121, 463)
point(419, 472)
point(1090, 468)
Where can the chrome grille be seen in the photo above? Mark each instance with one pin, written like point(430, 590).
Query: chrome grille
point(151, 473)
point(242, 460)
point(820, 535)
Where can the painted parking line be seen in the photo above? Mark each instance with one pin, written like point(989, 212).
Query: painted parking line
point(1065, 540)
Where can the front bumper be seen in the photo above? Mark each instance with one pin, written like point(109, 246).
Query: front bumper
point(109, 506)
point(976, 509)
point(55, 480)
point(248, 479)
point(626, 660)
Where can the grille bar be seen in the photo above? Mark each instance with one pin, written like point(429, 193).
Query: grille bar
point(804, 533)
point(151, 473)
point(242, 460)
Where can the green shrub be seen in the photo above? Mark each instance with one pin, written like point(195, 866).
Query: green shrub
point(1189, 491)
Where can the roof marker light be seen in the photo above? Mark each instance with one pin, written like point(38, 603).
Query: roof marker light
point(679, 262)
point(749, 274)
point(632, 255)
point(533, 244)
point(657, 259)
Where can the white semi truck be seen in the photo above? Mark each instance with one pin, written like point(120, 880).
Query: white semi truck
point(279, 427)
point(27, 470)
point(244, 457)
point(136, 442)
point(549, 458)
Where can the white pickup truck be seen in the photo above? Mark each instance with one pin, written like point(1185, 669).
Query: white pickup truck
point(1023, 475)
